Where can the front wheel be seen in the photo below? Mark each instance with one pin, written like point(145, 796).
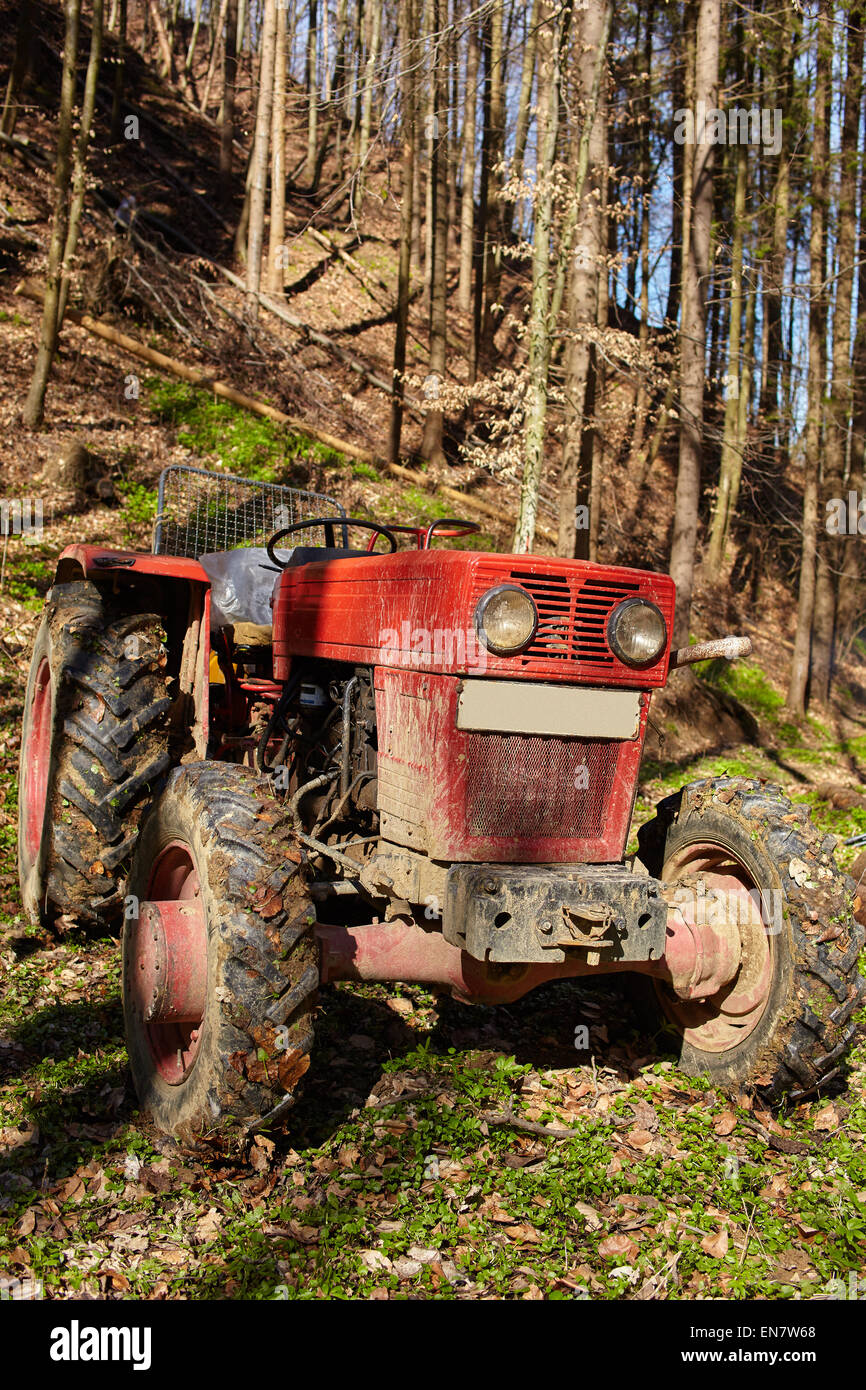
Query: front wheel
point(220, 965)
point(783, 1024)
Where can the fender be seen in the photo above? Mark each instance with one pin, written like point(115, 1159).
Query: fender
point(184, 598)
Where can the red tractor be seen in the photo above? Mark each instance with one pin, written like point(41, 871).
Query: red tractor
point(313, 760)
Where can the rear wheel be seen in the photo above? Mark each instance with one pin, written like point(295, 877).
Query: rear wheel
point(94, 742)
point(220, 964)
point(785, 1021)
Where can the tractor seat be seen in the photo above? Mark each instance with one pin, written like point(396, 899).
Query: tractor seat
point(306, 554)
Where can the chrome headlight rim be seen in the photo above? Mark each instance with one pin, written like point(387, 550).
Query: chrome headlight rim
point(481, 607)
point(616, 617)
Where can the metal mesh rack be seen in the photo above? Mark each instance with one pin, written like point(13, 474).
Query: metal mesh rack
point(199, 512)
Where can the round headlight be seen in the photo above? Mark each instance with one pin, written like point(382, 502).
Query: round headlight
point(506, 619)
point(636, 632)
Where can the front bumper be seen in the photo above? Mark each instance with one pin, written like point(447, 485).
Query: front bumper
point(596, 913)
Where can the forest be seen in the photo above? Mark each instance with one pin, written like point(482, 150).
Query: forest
point(594, 278)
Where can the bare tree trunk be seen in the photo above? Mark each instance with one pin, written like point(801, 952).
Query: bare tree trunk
point(840, 403)
point(731, 462)
point(367, 98)
point(694, 323)
point(259, 166)
point(215, 53)
point(407, 22)
point(481, 217)
point(539, 312)
point(20, 65)
point(467, 204)
point(34, 405)
point(431, 445)
point(227, 119)
point(799, 679)
point(524, 102)
point(80, 157)
point(119, 73)
point(190, 52)
point(494, 230)
point(165, 48)
point(773, 286)
point(276, 243)
point(641, 399)
point(587, 265)
point(312, 87)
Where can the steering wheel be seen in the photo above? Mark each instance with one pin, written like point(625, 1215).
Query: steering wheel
point(329, 522)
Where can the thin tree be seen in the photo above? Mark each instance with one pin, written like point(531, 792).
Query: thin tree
point(431, 445)
point(798, 683)
point(20, 64)
point(375, 32)
point(79, 173)
point(34, 406)
point(588, 260)
point(276, 243)
point(408, 92)
point(312, 85)
point(259, 161)
point(840, 402)
point(539, 309)
point(227, 106)
point(467, 200)
point(696, 272)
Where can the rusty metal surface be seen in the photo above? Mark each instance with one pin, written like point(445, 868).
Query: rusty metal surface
point(461, 795)
point(595, 912)
point(350, 609)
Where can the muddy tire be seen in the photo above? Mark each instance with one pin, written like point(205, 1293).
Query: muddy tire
point(793, 1041)
point(217, 838)
point(94, 745)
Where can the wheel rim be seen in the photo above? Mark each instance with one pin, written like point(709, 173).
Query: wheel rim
point(36, 754)
point(173, 1045)
point(725, 1019)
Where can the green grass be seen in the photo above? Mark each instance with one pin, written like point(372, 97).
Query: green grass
point(244, 443)
point(29, 581)
point(748, 684)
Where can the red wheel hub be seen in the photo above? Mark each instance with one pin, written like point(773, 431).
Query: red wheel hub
point(167, 963)
point(37, 753)
point(721, 956)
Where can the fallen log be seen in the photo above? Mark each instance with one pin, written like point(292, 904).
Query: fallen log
point(31, 289)
point(28, 289)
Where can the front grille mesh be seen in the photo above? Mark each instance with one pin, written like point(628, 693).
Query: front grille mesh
point(572, 617)
point(526, 786)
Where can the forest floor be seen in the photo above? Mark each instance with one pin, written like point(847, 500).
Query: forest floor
point(405, 1171)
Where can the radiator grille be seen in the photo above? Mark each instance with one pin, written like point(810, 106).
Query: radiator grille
point(572, 617)
point(523, 786)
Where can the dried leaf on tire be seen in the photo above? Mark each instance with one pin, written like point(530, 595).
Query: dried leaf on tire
point(291, 1068)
